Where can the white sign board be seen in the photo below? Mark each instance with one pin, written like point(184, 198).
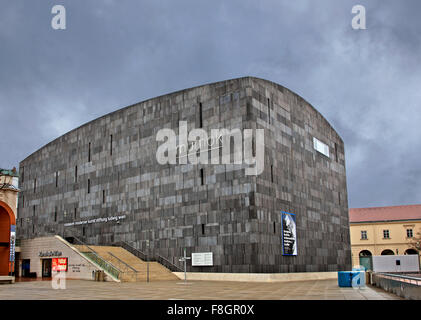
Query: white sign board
point(202, 259)
point(405, 263)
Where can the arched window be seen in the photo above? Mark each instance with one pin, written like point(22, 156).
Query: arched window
point(365, 253)
point(387, 252)
point(411, 251)
point(365, 259)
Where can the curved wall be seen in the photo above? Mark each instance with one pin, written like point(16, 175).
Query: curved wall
point(107, 168)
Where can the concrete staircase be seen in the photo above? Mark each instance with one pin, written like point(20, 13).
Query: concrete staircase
point(8, 279)
point(131, 268)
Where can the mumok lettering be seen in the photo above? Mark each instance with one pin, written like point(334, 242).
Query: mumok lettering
point(193, 147)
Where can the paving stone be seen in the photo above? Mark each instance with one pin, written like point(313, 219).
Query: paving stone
point(206, 290)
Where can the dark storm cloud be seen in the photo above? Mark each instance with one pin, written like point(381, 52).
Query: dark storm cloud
point(115, 53)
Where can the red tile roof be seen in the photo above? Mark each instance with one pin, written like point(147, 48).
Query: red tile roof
point(409, 212)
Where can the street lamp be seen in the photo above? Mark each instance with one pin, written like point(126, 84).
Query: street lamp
point(184, 259)
point(147, 260)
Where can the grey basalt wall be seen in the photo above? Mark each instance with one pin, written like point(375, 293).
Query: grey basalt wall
point(235, 216)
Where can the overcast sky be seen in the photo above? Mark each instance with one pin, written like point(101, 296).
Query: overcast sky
point(367, 83)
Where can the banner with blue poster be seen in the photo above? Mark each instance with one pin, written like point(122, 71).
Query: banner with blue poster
point(12, 242)
point(289, 234)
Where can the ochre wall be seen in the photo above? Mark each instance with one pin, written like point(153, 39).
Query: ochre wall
point(8, 201)
point(7, 218)
point(375, 243)
point(9, 196)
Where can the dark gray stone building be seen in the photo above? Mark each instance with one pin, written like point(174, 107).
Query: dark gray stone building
point(102, 182)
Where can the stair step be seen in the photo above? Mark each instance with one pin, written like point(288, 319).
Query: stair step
point(156, 270)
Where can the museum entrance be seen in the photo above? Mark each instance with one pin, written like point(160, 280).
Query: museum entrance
point(26, 267)
point(46, 268)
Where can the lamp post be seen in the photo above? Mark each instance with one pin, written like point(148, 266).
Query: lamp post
point(184, 259)
point(64, 220)
point(147, 261)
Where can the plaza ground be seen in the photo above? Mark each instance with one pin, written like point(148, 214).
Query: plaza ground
point(192, 290)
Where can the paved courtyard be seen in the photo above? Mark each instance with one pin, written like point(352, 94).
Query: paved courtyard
point(192, 290)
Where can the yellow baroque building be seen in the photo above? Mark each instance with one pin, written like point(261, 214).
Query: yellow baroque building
point(384, 231)
point(8, 207)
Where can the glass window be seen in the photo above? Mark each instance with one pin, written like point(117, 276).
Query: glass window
point(409, 233)
point(386, 234)
point(363, 235)
point(321, 147)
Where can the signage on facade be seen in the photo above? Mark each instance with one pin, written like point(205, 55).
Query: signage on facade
point(59, 264)
point(76, 267)
point(50, 253)
point(98, 220)
point(289, 234)
point(12, 242)
point(202, 259)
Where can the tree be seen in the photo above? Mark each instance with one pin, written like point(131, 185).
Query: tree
point(415, 242)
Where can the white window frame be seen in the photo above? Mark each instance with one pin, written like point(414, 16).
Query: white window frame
point(321, 147)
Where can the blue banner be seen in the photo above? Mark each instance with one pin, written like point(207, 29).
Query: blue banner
point(289, 234)
point(12, 242)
